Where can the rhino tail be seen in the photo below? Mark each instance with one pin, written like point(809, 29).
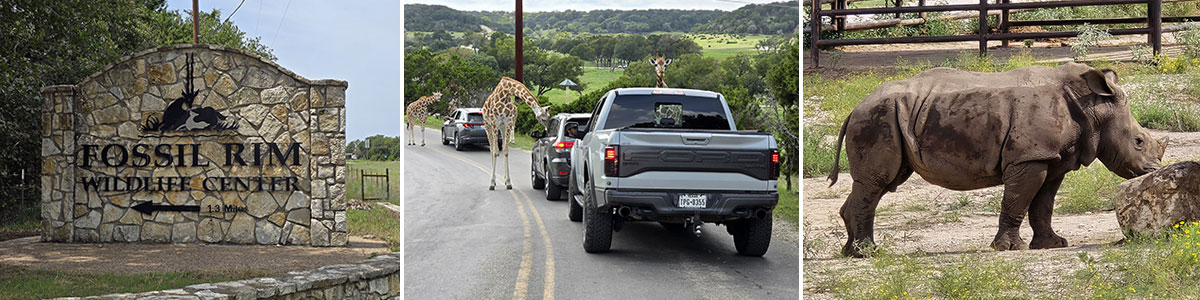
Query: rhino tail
point(837, 151)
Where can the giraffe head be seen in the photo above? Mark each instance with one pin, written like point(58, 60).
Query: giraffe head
point(542, 114)
point(660, 65)
point(437, 96)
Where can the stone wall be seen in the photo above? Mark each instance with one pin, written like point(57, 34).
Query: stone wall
point(264, 103)
point(375, 278)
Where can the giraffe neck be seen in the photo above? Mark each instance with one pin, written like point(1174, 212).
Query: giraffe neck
point(516, 89)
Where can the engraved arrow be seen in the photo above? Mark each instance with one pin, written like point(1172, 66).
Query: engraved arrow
point(148, 208)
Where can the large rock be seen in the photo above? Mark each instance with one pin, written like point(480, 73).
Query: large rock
point(1150, 204)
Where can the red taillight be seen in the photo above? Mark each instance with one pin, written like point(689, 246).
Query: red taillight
point(774, 165)
point(610, 161)
point(563, 172)
point(564, 145)
point(468, 125)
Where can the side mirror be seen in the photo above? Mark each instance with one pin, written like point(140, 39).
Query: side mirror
point(537, 134)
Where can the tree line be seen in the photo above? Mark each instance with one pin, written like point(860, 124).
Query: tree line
point(771, 18)
point(63, 41)
point(762, 87)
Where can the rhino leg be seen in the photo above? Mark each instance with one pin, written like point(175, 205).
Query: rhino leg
point(1039, 217)
point(1021, 183)
point(859, 211)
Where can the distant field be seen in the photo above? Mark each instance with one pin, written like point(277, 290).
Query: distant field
point(598, 78)
point(721, 46)
point(354, 186)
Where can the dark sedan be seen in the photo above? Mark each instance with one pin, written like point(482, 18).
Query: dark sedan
point(552, 154)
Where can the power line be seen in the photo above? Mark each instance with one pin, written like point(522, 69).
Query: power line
point(285, 10)
point(235, 10)
point(259, 21)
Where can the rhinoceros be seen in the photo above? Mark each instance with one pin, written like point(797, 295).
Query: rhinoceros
point(961, 130)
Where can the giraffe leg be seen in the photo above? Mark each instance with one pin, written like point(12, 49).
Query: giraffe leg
point(494, 150)
point(507, 140)
point(422, 136)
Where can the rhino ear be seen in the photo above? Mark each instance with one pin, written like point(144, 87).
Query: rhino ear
point(1098, 82)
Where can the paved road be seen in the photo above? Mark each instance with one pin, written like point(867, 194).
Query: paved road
point(463, 241)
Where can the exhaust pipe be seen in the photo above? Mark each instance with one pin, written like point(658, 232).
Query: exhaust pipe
point(760, 214)
point(624, 211)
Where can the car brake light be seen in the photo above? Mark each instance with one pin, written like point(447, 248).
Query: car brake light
point(564, 145)
point(774, 165)
point(610, 161)
point(563, 172)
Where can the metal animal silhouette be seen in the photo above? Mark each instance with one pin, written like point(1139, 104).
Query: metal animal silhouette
point(182, 114)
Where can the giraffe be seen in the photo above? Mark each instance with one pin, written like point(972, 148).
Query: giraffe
point(416, 113)
point(499, 117)
point(660, 68)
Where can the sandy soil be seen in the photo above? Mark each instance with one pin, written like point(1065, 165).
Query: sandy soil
point(213, 259)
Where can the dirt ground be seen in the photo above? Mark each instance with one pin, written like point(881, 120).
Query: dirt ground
point(210, 259)
point(924, 220)
point(848, 59)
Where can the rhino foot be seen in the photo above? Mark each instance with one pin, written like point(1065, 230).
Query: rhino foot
point(1008, 241)
point(1052, 241)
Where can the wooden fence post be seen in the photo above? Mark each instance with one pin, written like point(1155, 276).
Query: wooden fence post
point(1004, 23)
point(1154, 18)
point(814, 19)
point(387, 184)
point(983, 27)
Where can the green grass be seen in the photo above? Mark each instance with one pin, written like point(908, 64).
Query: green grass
point(25, 283)
point(380, 222)
point(818, 152)
point(374, 187)
point(788, 208)
point(1145, 268)
point(891, 276)
point(722, 53)
point(596, 79)
point(1088, 189)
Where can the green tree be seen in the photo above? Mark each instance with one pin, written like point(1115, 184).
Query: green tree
point(61, 42)
point(583, 51)
point(630, 48)
point(551, 70)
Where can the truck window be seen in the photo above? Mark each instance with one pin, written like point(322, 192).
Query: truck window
point(666, 111)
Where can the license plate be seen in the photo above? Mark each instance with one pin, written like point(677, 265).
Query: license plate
point(693, 200)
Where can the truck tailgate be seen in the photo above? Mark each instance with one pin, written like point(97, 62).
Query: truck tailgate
point(720, 160)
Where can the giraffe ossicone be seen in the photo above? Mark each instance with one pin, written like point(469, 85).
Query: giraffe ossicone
point(499, 117)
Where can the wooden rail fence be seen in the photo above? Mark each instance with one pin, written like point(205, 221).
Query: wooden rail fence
point(837, 17)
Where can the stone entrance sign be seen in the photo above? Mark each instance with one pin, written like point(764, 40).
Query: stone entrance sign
point(195, 144)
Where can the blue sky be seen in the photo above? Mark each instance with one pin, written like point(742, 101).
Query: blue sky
point(533, 5)
point(357, 41)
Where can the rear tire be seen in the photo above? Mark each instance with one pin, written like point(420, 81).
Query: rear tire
point(598, 225)
point(752, 236)
point(553, 191)
point(457, 143)
point(575, 212)
point(538, 182)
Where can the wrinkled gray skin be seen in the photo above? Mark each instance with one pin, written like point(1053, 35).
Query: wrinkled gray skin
point(1024, 129)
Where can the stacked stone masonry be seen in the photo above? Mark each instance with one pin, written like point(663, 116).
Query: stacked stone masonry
point(268, 104)
point(375, 278)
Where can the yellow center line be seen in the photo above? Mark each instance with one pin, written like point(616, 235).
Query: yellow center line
point(548, 284)
point(521, 288)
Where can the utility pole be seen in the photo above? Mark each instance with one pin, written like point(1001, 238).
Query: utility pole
point(520, 43)
point(195, 22)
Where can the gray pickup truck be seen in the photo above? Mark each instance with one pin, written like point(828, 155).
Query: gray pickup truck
point(673, 156)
